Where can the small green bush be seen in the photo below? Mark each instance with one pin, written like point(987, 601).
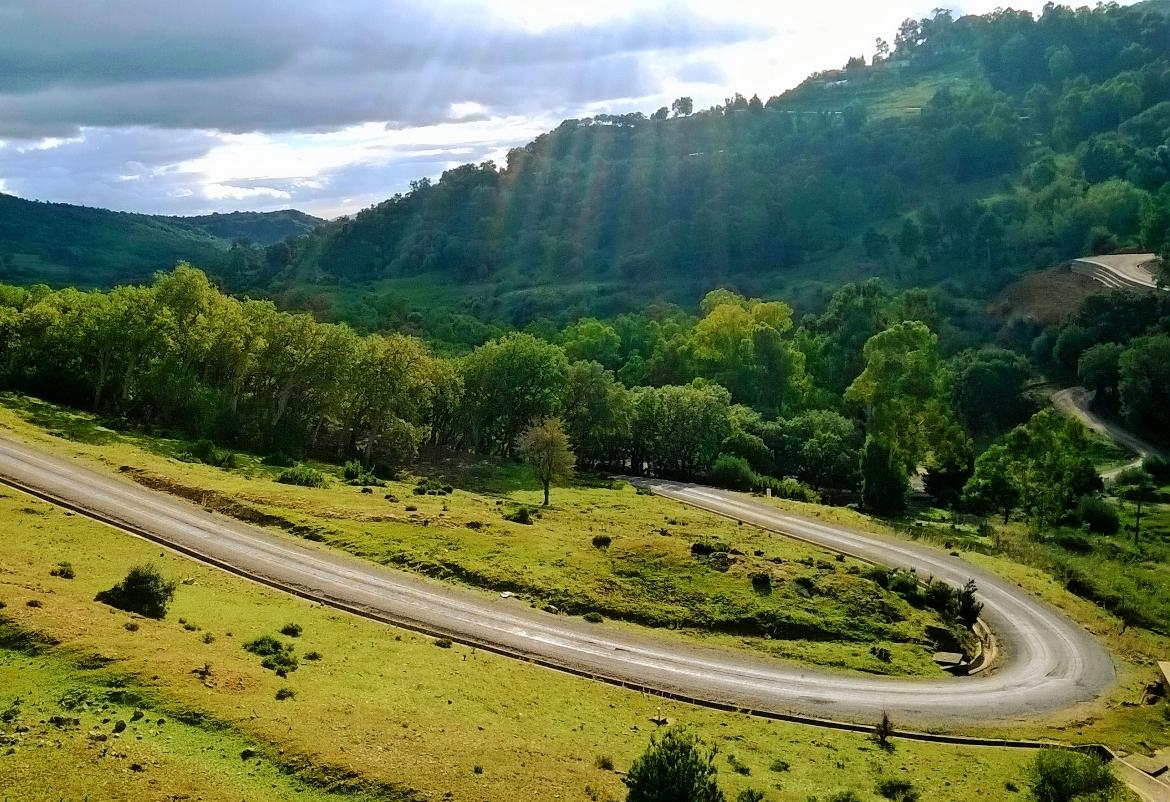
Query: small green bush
point(303, 476)
point(762, 582)
point(63, 570)
point(705, 548)
point(734, 473)
point(443, 643)
point(144, 591)
point(897, 789)
point(603, 762)
point(1074, 542)
point(313, 655)
point(1059, 775)
point(278, 460)
point(602, 541)
point(352, 470)
point(520, 516)
point(843, 796)
point(285, 693)
point(275, 655)
point(1158, 467)
point(593, 618)
point(779, 766)
point(291, 630)
point(1098, 515)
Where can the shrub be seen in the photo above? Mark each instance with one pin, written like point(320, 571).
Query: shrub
point(275, 655)
point(352, 470)
point(843, 796)
point(1158, 467)
point(1058, 775)
point(602, 541)
point(604, 762)
point(1075, 542)
point(131, 626)
point(143, 591)
point(278, 460)
point(520, 516)
point(897, 789)
point(750, 795)
point(884, 731)
point(593, 618)
point(788, 488)
point(63, 570)
point(705, 548)
point(206, 452)
point(676, 765)
point(1098, 515)
point(779, 766)
point(285, 693)
point(303, 476)
point(762, 582)
point(737, 766)
point(432, 487)
point(292, 630)
point(731, 472)
point(313, 655)
point(881, 653)
point(443, 643)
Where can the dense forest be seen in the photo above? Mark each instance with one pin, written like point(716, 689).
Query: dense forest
point(970, 150)
point(854, 401)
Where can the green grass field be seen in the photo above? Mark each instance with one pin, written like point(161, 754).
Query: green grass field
point(382, 711)
point(818, 609)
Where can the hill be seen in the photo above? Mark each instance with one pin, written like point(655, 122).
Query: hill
point(260, 228)
point(60, 244)
point(977, 149)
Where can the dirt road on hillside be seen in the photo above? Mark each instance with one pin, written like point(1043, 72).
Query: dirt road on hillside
point(1076, 402)
point(1048, 662)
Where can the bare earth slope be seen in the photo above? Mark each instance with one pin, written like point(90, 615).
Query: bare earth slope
point(1048, 662)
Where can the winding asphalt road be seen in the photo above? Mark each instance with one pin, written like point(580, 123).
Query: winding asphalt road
point(1076, 402)
point(1047, 662)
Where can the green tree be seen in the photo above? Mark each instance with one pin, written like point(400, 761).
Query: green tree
point(883, 478)
point(682, 107)
point(987, 388)
point(1099, 369)
point(1138, 486)
point(1144, 385)
point(545, 446)
point(993, 485)
point(677, 767)
point(144, 590)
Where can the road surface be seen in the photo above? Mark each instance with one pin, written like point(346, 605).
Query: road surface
point(1048, 663)
point(1132, 271)
point(1076, 402)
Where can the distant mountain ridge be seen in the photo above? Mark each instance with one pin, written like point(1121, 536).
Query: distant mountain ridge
point(62, 244)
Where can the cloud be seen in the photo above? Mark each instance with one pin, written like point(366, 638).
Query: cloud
point(299, 65)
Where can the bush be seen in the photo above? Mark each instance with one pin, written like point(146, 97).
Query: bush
point(750, 795)
point(353, 470)
point(443, 643)
point(292, 630)
point(604, 762)
point(898, 790)
point(432, 487)
point(1075, 542)
point(677, 765)
point(278, 460)
point(705, 548)
point(1058, 775)
point(843, 796)
point(733, 473)
point(303, 476)
point(206, 452)
point(275, 655)
point(143, 591)
point(313, 655)
point(63, 570)
point(520, 516)
point(762, 582)
point(602, 541)
point(780, 766)
point(788, 488)
point(1157, 467)
point(285, 693)
point(1098, 515)
point(593, 618)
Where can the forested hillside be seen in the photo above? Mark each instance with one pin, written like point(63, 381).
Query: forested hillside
point(969, 150)
point(60, 244)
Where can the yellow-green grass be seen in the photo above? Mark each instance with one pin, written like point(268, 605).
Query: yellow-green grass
point(1119, 719)
point(382, 706)
point(818, 610)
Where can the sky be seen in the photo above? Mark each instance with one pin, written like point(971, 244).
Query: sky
point(175, 107)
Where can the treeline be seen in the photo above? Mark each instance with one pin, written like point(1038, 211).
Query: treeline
point(739, 381)
point(1047, 140)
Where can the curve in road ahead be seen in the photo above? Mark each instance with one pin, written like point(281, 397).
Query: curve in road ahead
point(1076, 402)
point(1048, 662)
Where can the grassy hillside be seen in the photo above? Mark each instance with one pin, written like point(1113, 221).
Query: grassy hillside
point(59, 244)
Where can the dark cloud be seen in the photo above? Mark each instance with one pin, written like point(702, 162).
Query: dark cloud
point(282, 65)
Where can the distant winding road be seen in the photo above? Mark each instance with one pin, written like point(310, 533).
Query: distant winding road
point(1076, 402)
point(1047, 662)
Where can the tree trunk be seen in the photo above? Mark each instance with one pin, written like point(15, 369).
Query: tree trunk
point(546, 484)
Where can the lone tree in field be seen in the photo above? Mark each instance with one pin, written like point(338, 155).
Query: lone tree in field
point(1137, 485)
point(545, 446)
point(677, 767)
point(144, 591)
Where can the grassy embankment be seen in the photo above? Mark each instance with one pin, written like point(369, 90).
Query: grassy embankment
point(1110, 569)
point(382, 713)
point(816, 609)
